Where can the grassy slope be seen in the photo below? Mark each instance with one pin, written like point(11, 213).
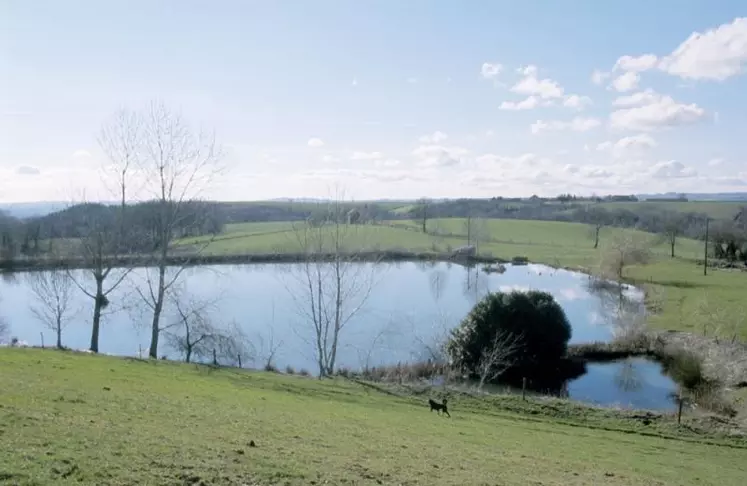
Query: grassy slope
point(678, 283)
point(715, 209)
point(72, 419)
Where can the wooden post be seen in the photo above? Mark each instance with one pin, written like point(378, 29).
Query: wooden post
point(215, 358)
point(239, 360)
point(679, 408)
point(705, 251)
point(42, 338)
point(524, 388)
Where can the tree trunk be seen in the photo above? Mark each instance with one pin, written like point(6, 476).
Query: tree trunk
point(98, 303)
point(59, 334)
point(596, 238)
point(672, 242)
point(157, 308)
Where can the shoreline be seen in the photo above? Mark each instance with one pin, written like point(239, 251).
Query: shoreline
point(138, 261)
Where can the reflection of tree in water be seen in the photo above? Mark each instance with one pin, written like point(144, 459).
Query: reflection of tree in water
point(437, 280)
point(624, 314)
point(475, 285)
point(628, 378)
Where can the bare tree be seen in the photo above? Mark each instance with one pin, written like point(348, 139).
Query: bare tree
point(52, 291)
point(4, 329)
point(104, 237)
point(673, 226)
point(333, 283)
point(477, 232)
point(268, 349)
point(623, 251)
point(195, 335)
point(498, 357)
point(597, 218)
point(176, 165)
point(420, 214)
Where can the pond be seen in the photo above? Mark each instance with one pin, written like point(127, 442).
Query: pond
point(409, 307)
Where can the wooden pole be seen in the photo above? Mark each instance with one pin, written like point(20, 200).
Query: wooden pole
point(705, 251)
point(42, 338)
point(239, 360)
point(679, 408)
point(524, 388)
point(215, 358)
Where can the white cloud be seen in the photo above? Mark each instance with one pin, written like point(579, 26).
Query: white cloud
point(355, 82)
point(529, 70)
point(626, 82)
point(435, 137)
point(637, 99)
point(491, 70)
point(671, 169)
point(598, 77)
point(655, 111)
point(331, 159)
point(27, 170)
point(717, 54)
point(636, 64)
point(715, 162)
point(626, 144)
point(577, 102)
point(438, 155)
point(315, 142)
point(578, 124)
point(527, 104)
point(531, 85)
point(81, 154)
point(366, 156)
point(412, 80)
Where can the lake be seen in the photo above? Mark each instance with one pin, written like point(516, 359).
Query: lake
point(409, 307)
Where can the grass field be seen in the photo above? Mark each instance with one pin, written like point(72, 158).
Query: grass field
point(686, 299)
point(79, 419)
point(714, 209)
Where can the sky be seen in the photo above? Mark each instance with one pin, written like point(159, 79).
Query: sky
point(387, 98)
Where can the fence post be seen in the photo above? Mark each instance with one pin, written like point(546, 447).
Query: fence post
point(679, 408)
point(524, 388)
point(215, 358)
point(239, 355)
point(42, 338)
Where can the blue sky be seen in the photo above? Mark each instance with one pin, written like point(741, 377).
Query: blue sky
point(385, 98)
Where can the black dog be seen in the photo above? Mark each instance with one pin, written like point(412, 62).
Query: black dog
point(438, 407)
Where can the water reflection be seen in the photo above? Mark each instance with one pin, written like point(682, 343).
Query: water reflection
point(409, 312)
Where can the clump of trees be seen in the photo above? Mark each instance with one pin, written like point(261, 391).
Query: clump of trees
point(511, 336)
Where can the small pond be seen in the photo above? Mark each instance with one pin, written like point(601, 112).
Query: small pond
point(410, 306)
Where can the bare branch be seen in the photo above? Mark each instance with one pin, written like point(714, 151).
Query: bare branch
point(498, 357)
point(52, 295)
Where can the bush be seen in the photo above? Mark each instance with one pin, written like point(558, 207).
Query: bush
point(534, 317)
point(289, 370)
point(684, 367)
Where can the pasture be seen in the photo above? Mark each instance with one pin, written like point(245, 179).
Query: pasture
point(681, 296)
point(69, 418)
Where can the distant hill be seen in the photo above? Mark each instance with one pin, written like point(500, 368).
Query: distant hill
point(32, 209)
point(699, 196)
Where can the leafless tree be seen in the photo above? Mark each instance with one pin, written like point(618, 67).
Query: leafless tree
point(333, 284)
point(103, 240)
point(420, 214)
point(623, 251)
point(673, 226)
point(476, 230)
point(176, 165)
point(52, 291)
point(715, 320)
point(498, 357)
point(4, 329)
point(268, 348)
point(195, 335)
